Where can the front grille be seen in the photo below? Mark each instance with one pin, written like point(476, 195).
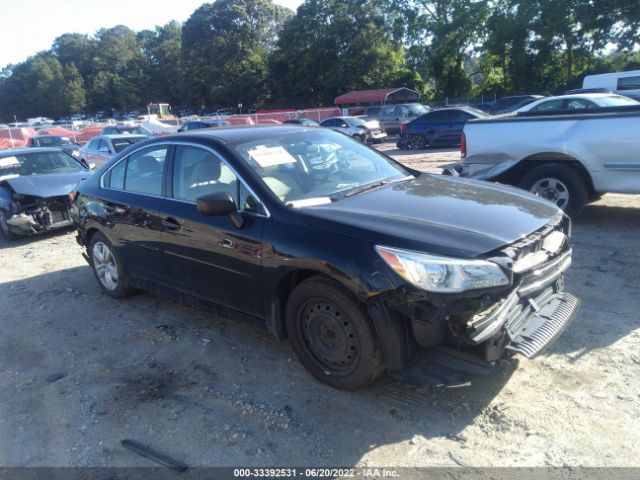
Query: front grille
point(535, 264)
point(542, 328)
point(59, 215)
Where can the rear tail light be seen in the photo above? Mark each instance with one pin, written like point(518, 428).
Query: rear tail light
point(403, 127)
point(463, 146)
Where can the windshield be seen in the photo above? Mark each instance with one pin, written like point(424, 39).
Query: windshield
point(317, 165)
point(52, 141)
point(120, 144)
point(617, 101)
point(38, 164)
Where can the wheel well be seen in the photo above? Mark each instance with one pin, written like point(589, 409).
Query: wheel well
point(87, 237)
point(515, 174)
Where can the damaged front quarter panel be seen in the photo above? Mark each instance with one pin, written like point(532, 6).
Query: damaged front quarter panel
point(26, 214)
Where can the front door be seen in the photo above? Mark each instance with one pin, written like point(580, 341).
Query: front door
point(207, 256)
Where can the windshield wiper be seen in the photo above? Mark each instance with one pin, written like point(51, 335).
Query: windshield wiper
point(374, 185)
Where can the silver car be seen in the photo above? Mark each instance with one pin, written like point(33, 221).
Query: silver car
point(392, 116)
point(99, 150)
point(359, 128)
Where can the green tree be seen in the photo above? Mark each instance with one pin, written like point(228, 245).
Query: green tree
point(441, 36)
point(73, 94)
point(162, 49)
point(333, 46)
point(225, 45)
point(120, 77)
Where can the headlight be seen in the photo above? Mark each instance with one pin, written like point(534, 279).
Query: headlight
point(443, 274)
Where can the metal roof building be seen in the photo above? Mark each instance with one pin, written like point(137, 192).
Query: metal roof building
point(380, 96)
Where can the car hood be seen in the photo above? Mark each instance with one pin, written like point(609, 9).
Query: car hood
point(51, 185)
point(436, 214)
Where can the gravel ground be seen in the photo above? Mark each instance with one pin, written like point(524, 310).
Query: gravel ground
point(80, 371)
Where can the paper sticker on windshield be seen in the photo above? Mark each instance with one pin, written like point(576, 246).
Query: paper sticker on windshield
point(270, 156)
point(9, 162)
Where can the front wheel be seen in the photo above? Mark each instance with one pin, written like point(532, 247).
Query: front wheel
point(559, 184)
point(332, 335)
point(358, 137)
point(108, 268)
point(5, 228)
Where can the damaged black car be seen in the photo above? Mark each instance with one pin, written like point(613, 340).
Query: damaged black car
point(34, 190)
point(366, 266)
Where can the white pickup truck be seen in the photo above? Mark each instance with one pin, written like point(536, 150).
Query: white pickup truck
point(567, 158)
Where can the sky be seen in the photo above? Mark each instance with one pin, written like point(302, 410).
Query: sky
point(29, 26)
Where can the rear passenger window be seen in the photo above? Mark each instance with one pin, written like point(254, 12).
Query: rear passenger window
point(144, 171)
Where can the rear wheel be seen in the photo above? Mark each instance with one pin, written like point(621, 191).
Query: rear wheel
point(108, 268)
point(5, 229)
point(420, 142)
point(559, 184)
point(331, 334)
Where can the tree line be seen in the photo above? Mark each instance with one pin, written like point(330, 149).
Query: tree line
point(260, 54)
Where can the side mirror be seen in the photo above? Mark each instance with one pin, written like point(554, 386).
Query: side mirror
point(219, 204)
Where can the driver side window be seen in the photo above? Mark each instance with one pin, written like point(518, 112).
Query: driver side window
point(198, 172)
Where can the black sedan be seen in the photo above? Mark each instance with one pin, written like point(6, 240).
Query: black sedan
point(34, 189)
point(364, 264)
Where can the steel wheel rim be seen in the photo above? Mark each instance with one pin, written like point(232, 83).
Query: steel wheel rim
point(329, 338)
point(553, 190)
point(105, 266)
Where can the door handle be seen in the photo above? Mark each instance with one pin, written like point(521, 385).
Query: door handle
point(171, 224)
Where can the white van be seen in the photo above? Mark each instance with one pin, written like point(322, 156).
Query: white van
point(624, 83)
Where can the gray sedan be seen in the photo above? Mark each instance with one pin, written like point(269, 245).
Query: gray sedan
point(356, 127)
point(99, 150)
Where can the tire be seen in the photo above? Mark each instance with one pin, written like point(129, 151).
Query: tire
point(112, 278)
point(419, 142)
point(559, 184)
point(358, 137)
point(5, 230)
point(332, 335)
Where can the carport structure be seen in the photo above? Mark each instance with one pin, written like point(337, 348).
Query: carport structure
point(380, 96)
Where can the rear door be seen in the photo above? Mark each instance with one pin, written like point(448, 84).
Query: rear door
point(133, 202)
point(207, 256)
point(453, 126)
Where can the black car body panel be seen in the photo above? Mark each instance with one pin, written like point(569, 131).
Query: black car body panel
point(451, 218)
point(248, 272)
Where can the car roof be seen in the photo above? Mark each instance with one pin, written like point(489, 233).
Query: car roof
point(51, 136)
point(27, 150)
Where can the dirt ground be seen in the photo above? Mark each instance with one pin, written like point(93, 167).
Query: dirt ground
point(80, 371)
